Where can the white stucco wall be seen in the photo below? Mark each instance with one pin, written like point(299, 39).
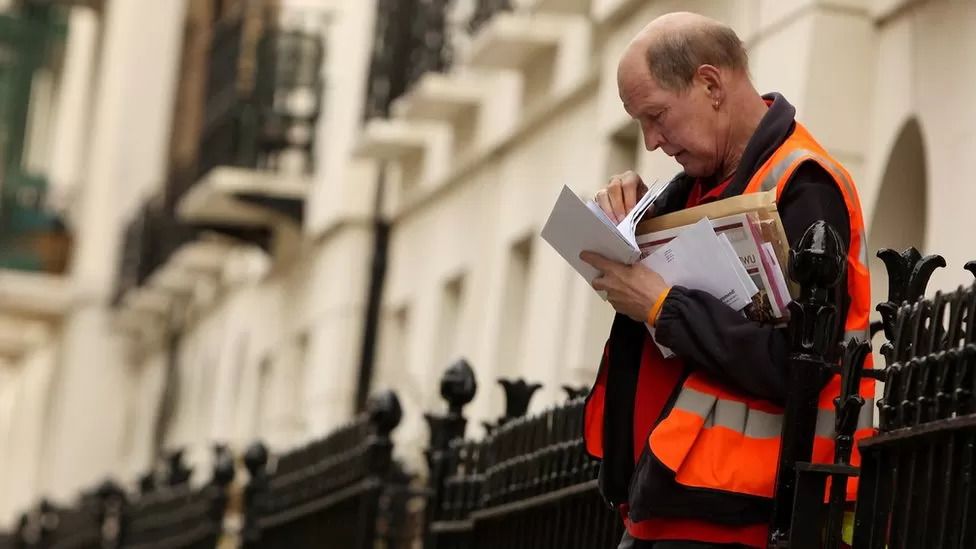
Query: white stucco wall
point(124, 159)
point(23, 407)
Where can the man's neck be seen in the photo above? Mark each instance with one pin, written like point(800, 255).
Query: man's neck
point(745, 118)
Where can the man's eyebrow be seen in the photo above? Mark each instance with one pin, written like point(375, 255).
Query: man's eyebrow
point(626, 108)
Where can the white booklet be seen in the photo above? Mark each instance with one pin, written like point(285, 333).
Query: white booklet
point(574, 226)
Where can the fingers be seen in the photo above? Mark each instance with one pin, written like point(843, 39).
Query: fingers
point(621, 195)
point(599, 262)
point(603, 200)
point(600, 284)
point(629, 183)
point(616, 194)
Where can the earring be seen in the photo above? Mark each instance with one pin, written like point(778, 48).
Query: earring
point(715, 105)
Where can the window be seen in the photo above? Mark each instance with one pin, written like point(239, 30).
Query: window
point(450, 315)
point(513, 308)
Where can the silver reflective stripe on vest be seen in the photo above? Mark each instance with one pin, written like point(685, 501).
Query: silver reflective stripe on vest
point(761, 424)
point(862, 335)
point(771, 180)
point(862, 255)
point(776, 172)
point(827, 418)
point(736, 416)
point(695, 402)
point(730, 414)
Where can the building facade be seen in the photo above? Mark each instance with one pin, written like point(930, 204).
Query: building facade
point(238, 177)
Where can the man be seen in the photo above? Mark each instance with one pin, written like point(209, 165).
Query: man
point(690, 445)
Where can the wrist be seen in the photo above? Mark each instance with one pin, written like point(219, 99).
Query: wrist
point(656, 307)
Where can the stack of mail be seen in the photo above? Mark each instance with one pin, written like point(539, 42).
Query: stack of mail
point(735, 257)
point(754, 257)
point(700, 259)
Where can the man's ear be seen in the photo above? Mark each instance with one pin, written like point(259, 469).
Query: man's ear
point(710, 81)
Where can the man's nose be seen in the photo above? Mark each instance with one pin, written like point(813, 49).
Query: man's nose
point(652, 138)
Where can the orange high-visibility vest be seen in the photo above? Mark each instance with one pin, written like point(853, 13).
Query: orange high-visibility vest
point(721, 439)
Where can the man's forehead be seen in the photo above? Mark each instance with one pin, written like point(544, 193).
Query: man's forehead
point(637, 90)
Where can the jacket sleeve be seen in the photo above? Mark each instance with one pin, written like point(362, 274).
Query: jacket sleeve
point(713, 338)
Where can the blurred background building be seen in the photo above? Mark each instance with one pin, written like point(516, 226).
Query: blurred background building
point(231, 220)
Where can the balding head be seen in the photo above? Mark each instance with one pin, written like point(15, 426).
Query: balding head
point(673, 46)
point(685, 78)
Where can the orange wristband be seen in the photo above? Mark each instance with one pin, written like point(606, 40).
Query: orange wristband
point(656, 309)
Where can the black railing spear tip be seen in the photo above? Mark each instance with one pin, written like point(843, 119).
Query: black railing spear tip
point(572, 393)
point(255, 458)
point(908, 276)
point(816, 265)
point(223, 471)
point(147, 482)
point(107, 488)
point(818, 261)
point(971, 267)
point(458, 385)
point(177, 471)
point(518, 393)
point(384, 411)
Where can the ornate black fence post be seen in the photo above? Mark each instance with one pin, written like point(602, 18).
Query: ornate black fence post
point(384, 415)
point(816, 266)
point(223, 475)
point(256, 461)
point(458, 387)
point(112, 503)
point(36, 525)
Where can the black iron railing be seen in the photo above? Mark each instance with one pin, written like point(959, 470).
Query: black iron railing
point(917, 487)
point(329, 489)
point(171, 514)
point(528, 483)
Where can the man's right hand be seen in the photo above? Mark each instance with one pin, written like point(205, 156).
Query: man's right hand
point(620, 195)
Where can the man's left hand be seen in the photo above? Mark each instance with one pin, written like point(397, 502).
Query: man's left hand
point(631, 289)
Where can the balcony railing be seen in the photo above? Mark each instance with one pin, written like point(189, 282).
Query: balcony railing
point(150, 238)
point(263, 99)
point(485, 10)
point(410, 38)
